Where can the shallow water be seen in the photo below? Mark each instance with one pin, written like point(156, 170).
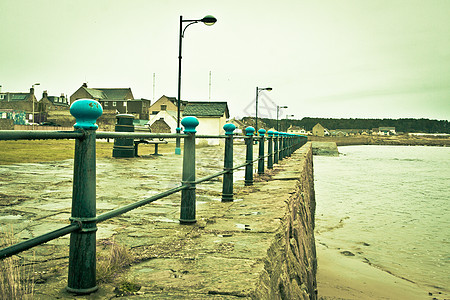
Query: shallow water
point(388, 205)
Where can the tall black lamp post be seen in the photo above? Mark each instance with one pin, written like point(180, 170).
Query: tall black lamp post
point(278, 112)
point(257, 93)
point(208, 20)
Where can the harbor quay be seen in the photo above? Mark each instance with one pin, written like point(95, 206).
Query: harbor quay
point(258, 246)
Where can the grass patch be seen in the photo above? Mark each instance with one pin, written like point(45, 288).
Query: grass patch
point(16, 279)
point(112, 258)
point(36, 151)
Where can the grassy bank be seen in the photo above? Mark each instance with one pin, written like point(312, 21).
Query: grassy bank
point(401, 140)
point(13, 152)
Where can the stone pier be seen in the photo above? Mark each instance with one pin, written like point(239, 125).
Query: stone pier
point(260, 246)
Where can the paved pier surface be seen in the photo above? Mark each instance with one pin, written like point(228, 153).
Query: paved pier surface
point(222, 256)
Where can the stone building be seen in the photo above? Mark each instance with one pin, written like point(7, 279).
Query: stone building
point(318, 130)
point(166, 104)
point(20, 102)
point(120, 100)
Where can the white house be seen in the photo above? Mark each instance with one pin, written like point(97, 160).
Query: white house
point(211, 116)
point(164, 121)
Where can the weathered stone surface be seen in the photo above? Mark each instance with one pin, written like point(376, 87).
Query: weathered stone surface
point(260, 246)
point(325, 148)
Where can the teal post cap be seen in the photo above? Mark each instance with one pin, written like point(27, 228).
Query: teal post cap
point(249, 130)
point(275, 133)
point(229, 128)
point(270, 133)
point(189, 124)
point(86, 113)
point(262, 131)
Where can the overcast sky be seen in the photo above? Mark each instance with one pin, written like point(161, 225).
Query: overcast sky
point(323, 58)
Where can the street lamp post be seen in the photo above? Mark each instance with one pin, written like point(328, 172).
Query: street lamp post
point(286, 123)
point(278, 111)
point(33, 101)
point(257, 93)
point(208, 20)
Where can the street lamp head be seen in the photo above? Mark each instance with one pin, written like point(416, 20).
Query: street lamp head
point(209, 20)
point(268, 89)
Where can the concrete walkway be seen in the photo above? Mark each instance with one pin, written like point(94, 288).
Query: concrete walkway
point(220, 257)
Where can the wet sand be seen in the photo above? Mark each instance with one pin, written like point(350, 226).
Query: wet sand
point(342, 277)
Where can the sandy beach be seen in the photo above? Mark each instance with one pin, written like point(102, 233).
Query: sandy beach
point(345, 277)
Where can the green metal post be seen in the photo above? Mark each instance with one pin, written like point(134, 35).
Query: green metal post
point(261, 151)
point(227, 188)
point(290, 145)
point(275, 150)
point(249, 156)
point(270, 150)
point(280, 146)
point(187, 212)
point(82, 261)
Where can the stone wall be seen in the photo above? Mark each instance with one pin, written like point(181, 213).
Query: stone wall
point(6, 124)
point(291, 263)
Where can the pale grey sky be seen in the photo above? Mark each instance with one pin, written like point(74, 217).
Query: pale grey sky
point(323, 58)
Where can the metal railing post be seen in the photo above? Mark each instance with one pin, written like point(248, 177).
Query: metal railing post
point(281, 147)
point(261, 132)
point(270, 150)
point(227, 188)
point(187, 212)
point(249, 156)
point(290, 144)
point(275, 150)
point(82, 258)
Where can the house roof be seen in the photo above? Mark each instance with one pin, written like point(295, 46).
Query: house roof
point(15, 96)
point(95, 93)
point(109, 93)
point(55, 100)
point(206, 109)
point(116, 93)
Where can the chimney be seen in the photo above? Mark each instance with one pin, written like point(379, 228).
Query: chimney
point(85, 84)
point(44, 94)
point(32, 90)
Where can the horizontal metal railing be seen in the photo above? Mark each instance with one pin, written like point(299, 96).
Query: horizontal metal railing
point(81, 277)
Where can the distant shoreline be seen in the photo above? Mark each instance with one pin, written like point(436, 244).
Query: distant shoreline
point(397, 140)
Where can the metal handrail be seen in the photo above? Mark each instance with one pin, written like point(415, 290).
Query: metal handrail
point(84, 219)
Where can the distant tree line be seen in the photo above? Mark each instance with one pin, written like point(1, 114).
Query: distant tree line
point(401, 125)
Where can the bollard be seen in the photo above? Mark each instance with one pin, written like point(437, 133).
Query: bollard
point(275, 147)
point(124, 147)
point(270, 150)
point(187, 212)
point(227, 188)
point(261, 151)
point(249, 156)
point(82, 264)
point(280, 145)
point(289, 144)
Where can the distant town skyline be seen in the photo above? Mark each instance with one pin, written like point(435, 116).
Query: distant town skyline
point(325, 58)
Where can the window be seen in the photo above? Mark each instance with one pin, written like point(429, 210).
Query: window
point(114, 103)
point(2, 96)
point(155, 112)
point(163, 107)
point(106, 103)
point(125, 104)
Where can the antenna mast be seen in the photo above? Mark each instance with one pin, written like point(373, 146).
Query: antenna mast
point(209, 85)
